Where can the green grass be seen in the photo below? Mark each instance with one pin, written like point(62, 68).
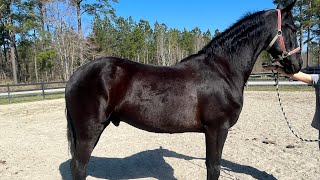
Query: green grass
point(18, 99)
point(281, 88)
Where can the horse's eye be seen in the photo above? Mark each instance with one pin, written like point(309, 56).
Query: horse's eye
point(293, 28)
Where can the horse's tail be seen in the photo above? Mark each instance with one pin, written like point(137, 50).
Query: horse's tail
point(70, 133)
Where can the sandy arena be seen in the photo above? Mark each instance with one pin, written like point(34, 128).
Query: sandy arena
point(33, 145)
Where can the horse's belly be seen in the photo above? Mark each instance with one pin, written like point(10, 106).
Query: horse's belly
point(163, 119)
point(161, 107)
point(159, 126)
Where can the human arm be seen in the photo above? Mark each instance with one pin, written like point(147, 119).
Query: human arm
point(300, 76)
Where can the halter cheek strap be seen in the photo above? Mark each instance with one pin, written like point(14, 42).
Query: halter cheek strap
point(280, 37)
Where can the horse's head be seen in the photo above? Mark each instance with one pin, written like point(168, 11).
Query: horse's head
point(284, 46)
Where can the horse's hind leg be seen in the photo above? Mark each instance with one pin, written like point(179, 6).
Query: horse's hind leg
point(87, 135)
point(215, 139)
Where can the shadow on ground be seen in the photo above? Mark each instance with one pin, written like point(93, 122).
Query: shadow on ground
point(149, 164)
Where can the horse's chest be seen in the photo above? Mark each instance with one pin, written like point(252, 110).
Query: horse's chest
point(221, 110)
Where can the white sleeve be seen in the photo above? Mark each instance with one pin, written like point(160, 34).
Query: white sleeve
point(315, 79)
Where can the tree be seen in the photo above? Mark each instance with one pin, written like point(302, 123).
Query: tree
point(160, 35)
point(92, 8)
point(316, 30)
point(9, 27)
point(174, 51)
point(146, 45)
point(197, 39)
point(17, 21)
point(105, 36)
point(77, 3)
point(4, 36)
point(186, 43)
point(216, 33)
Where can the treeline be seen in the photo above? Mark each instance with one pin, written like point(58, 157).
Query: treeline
point(144, 43)
point(44, 40)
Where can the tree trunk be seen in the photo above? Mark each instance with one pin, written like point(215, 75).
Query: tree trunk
point(12, 47)
point(308, 35)
point(5, 52)
point(13, 58)
point(42, 13)
point(162, 56)
point(301, 28)
point(19, 70)
point(1, 61)
point(28, 74)
point(80, 32)
point(36, 68)
point(35, 58)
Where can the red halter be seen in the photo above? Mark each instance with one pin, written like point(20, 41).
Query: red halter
point(279, 35)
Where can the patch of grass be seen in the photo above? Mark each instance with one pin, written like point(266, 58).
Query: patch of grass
point(18, 99)
point(6, 82)
point(281, 88)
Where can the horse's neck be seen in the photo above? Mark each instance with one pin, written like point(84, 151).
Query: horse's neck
point(240, 58)
point(245, 56)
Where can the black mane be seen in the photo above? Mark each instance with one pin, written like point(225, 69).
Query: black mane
point(236, 34)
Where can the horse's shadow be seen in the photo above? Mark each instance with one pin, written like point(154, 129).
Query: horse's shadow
point(146, 164)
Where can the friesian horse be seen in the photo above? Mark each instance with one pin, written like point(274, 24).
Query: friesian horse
point(202, 93)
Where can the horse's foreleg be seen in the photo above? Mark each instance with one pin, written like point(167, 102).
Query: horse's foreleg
point(215, 139)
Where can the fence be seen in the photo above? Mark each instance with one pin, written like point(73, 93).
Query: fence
point(43, 89)
point(10, 91)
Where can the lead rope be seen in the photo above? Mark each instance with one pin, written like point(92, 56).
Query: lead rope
point(276, 79)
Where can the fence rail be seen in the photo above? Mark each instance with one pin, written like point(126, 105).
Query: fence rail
point(10, 91)
point(272, 83)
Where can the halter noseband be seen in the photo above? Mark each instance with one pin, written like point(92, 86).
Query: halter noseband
point(280, 37)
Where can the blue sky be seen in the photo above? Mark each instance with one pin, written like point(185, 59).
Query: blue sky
point(180, 14)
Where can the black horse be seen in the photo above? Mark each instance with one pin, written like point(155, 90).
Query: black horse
point(203, 93)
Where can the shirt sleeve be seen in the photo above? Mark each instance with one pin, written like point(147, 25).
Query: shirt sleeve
point(315, 79)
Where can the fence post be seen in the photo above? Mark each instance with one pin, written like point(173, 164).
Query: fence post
point(9, 96)
point(42, 87)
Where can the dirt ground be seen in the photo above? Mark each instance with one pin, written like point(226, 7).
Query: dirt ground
point(33, 145)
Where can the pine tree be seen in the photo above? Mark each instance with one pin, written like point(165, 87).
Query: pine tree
point(92, 8)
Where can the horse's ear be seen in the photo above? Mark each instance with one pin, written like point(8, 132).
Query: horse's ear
point(289, 7)
point(279, 6)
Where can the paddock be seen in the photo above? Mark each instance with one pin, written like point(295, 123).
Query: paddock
point(33, 144)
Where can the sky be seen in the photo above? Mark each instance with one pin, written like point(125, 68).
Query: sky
point(180, 14)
